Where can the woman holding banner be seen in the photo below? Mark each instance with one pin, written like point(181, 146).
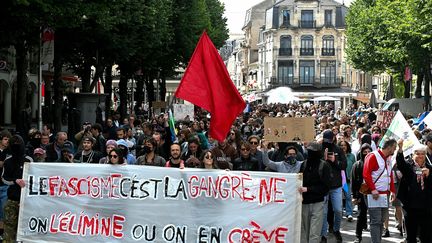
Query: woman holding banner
point(116, 157)
point(207, 160)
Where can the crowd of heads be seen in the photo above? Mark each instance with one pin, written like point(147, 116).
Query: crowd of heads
point(135, 136)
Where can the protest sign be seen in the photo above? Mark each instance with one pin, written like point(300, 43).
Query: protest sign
point(400, 129)
point(127, 203)
point(289, 129)
point(159, 104)
point(384, 118)
point(183, 110)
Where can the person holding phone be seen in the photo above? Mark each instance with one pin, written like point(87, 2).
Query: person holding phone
point(336, 159)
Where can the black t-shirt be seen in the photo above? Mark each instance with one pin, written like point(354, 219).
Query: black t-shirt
point(171, 164)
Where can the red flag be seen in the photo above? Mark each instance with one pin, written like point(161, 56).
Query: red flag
point(407, 75)
point(206, 83)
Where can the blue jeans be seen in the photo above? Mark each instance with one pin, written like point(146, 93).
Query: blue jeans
point(348, 201)
point(335, 195)
point(3, 199)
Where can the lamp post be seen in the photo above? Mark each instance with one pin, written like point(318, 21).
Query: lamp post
point(40, 82)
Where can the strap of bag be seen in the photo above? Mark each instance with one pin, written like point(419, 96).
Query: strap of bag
point(385, 168)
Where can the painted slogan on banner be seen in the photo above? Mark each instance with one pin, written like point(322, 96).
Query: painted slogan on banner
point(109, 203)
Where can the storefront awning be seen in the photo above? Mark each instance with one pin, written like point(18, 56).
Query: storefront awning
point(362, 99)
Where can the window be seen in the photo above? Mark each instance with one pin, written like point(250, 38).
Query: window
point(328, 72)
point(307, 72)
point(328, 18)
point(307, 46)
point(285, 46)
point(285, 72)
point(307, 19)
point(328, 46)
point(285, 18)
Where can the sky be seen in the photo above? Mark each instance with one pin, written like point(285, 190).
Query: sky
point(235, 11)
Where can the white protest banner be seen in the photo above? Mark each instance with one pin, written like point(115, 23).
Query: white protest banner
point(400, 129)
point(183, 110)
point(127, 203)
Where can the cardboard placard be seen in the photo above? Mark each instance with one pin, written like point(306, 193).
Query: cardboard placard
point(159, 104)
point(289, 129)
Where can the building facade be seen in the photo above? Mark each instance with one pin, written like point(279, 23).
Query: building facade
point(300, 44)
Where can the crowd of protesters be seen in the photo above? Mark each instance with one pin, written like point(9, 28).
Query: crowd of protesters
point(344, 155)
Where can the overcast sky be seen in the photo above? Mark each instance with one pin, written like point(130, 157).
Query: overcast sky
point(235, 11)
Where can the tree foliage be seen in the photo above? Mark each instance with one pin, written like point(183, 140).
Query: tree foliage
point(388, 35)
point(147, 39)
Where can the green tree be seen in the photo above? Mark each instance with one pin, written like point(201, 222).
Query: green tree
point(387, 35)
point(20, 23)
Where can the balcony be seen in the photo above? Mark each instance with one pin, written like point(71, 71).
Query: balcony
point(307, 24)
point(285, 51)
point(328, 52)
point(306, 51)
point(295, 82)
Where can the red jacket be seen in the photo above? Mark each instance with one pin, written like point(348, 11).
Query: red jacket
point(371, 165)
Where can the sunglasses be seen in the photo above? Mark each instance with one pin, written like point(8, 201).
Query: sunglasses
point(244, 149)
point(113, 156)
point(255, 143)
point(209, 157)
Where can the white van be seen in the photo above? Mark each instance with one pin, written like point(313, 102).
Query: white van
point(409, 107)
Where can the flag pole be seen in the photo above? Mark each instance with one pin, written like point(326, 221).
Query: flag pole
point(427, 157)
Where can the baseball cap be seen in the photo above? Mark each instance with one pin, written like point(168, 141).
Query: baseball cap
point(328, 136)
point(68, 147)
point(122, 142)
point(39, 151)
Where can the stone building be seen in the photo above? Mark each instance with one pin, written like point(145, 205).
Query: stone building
point(300, 44)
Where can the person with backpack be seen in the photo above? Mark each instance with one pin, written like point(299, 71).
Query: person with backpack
point(315, 188)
